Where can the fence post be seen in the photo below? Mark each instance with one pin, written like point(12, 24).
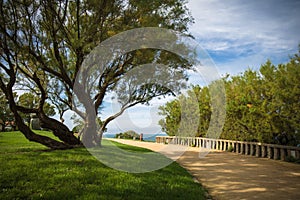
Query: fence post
point(214, 144)
point(276, 153)
point(258, 150)
point(282, 154)
point(237, 147)
point(246, 149)
point(242, 148)
point(263, 151)
point(269, 152)
point(252, 149)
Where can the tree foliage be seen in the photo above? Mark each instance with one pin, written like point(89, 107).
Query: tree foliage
point(196, 105)
point(128, 135)
point(44, 43)
point(261, 106)
point(31, 101)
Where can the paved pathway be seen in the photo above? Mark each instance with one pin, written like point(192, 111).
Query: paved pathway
point(232, 176)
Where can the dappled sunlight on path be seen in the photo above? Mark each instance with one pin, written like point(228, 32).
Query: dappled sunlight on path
point(232, 176)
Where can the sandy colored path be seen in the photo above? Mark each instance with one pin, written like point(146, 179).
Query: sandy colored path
point(232, 176)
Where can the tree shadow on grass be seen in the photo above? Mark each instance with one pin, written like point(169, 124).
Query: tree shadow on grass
point(75, 174)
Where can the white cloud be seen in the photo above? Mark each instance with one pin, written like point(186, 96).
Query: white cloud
point(239, 34)
point(140, 118)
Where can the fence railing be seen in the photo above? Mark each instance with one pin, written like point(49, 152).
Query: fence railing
point(271, 151)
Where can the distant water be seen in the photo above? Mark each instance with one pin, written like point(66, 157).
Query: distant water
point(151, 137)
point(147, 137)
point(109, 135)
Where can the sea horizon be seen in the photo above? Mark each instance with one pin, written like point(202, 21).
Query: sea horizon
point(146, 136)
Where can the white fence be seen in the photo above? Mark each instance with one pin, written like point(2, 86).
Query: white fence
point(271, 151)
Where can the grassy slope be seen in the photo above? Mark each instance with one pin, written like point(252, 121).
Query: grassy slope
point(28, 172)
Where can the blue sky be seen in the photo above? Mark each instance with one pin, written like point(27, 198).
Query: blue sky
point(237, 35)
point(240, 34)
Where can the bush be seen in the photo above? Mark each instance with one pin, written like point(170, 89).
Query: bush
point(127, 135)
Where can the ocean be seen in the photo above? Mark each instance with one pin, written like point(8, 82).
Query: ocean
point(146, 137)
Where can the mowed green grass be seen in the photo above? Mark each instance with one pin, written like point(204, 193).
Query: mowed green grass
point(29, 171)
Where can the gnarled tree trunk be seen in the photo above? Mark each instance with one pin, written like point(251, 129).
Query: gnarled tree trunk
point(59, 129)
point(27, 132)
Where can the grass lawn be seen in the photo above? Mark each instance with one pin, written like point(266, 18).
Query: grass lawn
point(28, 171)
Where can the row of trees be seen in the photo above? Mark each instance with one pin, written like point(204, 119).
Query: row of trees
point(44, 43)
point(261, 106)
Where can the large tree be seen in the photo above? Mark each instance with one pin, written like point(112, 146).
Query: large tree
point(45, 42)
point(196, 104)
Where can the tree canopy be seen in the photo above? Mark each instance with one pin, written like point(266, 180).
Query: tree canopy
point(44, 43)
point(261, 106)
